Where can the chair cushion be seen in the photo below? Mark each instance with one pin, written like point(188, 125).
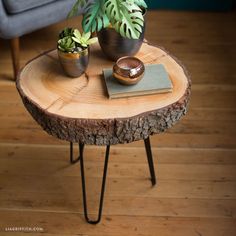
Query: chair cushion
point(18, 6)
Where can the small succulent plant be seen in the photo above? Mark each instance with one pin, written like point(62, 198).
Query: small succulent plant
point(66, 44)
point(72, 41)
point(84, 40)
point(66, 32)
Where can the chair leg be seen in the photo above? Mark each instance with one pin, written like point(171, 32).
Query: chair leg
point(15, 54)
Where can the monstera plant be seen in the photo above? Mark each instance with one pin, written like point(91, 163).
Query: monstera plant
point(124, 15)
point(107, 17)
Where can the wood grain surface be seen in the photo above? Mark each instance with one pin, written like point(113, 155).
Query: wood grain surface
point(79, 109)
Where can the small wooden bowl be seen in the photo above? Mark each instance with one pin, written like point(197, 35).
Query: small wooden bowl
point(128, 70)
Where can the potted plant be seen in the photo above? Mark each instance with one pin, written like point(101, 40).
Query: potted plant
point(73, 51)
point(119, 24)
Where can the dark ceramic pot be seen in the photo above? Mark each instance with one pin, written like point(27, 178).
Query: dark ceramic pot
point(115, 46)
point(74, 64)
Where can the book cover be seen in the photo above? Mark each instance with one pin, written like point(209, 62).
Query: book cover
point(155, 80)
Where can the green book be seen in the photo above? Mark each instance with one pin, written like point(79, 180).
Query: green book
point(155, 80)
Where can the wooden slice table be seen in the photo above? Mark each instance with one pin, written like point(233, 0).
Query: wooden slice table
point(79, 111)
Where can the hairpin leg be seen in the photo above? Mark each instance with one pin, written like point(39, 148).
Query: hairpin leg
point(81, 147)
point(81, 159)
point(72, 161)
point(150, 160)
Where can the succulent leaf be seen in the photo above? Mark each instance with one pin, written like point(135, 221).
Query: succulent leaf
point(77, 34)
point(86, 36)
point(76, 40)
point(84, 40)
point(92, 40)
point(66, 44)
point(66, 32)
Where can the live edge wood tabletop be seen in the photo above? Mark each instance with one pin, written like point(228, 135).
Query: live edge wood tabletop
point(78, 109)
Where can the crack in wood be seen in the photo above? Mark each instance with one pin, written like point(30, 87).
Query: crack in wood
point(51, 57)
point(74, 93)
point(198, 233)
point(148, 55)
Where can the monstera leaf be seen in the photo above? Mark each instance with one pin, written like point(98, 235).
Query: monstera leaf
point(140, 3)
point(75, 8)
point(131, 22)
point(113, 9)
point(95, 19)
point(124, 15)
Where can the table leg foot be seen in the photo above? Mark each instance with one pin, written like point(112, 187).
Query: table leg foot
point(150, 160)
point(72, 160)
point(81, 147)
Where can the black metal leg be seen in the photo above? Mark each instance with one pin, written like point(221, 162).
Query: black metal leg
point(72, 161)
point(81, 159)
point(150, 160)
point(81, 149)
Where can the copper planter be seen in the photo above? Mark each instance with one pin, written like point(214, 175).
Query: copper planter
point(74, 64)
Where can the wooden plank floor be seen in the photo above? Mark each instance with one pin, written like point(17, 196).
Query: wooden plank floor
point(195, 161)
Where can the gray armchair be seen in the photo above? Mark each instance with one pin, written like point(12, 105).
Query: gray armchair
point(19, 17)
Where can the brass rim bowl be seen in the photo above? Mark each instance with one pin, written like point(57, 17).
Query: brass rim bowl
point(128, 70)
point(73, 56)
